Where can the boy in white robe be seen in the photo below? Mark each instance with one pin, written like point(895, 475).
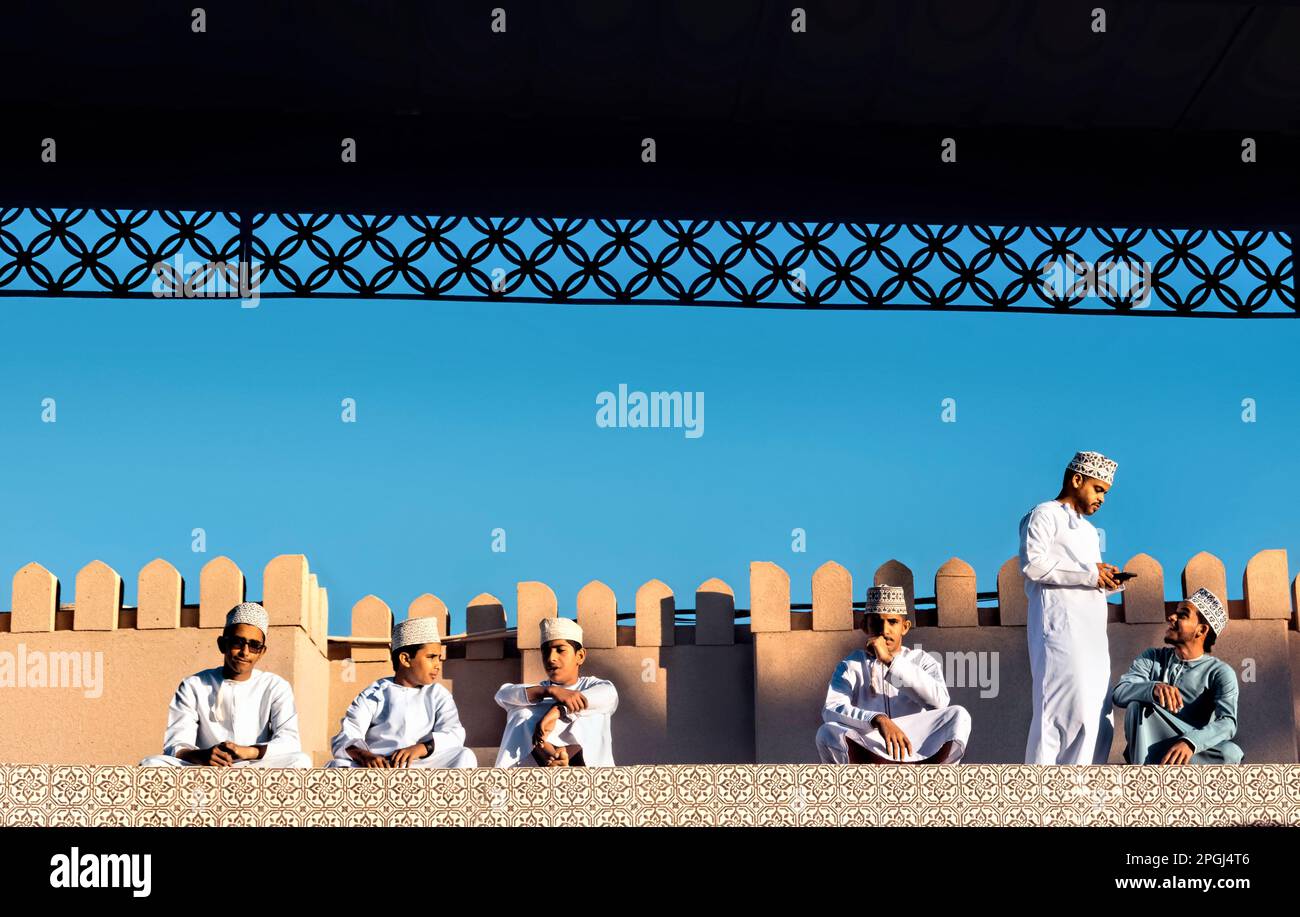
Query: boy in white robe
point(234, 715)
point(407, 719)
point(888, 703)
point(564, 720)
point(1069, 652)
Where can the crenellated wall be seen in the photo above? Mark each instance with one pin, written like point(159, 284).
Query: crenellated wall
point(141, 654)
point(714, 689)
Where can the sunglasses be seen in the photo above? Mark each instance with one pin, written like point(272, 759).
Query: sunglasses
point(238, 643)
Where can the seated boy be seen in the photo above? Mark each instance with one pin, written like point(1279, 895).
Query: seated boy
point(234, 715)
point(408, 719)
point(564, 720)
point(1182, 702)
point(887, 703)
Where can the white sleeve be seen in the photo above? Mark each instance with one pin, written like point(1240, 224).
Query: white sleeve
point(839, 701)
point(284, 722)
point(509, 697)
point(182, 721)
point(1037, 564)
point(356, 723)
point(602, 698)
point(447, 731)
point(922, 678)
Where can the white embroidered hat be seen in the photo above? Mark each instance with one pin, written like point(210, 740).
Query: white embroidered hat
point(1208, 604)
point(1094, 465)
point(560, 629)
point(415, 632)
point(886, 600)
point(249, 613)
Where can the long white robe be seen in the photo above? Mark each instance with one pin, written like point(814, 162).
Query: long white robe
point(209, 709)
point(387, 716)
point(588, 728)
point(1069, 653)
point(910, 691)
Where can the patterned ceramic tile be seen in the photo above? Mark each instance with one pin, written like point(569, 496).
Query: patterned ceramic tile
point(679, 795)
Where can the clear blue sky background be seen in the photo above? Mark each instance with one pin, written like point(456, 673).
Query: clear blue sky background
point(477, 416)
point(471, 416)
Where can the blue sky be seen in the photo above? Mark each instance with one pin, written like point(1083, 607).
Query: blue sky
point(473, 416)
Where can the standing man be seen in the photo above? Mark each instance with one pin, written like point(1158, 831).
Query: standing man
point(1067, 585)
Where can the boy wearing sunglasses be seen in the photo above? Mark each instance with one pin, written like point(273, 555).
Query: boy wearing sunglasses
point(234, 715)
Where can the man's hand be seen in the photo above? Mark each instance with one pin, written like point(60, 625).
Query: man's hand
point(560, 759)
point(896, 742)
point(877, 647)
point(367, 758)
point(217, 756)
point(1180, 753)
point(1106, 576)
point(404, 756)
point(544, 753)
point(1168, 697)
point(546, 724)
point(242, 752)
point(573, 701)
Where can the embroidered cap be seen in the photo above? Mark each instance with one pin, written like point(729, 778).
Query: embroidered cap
point(560, 629)
point(1208, 604)
point(1094, 465)
point(249, 613)
point(415, 632)
point(886, 600)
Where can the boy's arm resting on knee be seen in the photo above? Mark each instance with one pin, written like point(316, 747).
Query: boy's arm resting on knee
point(182, 723)
point(922, 679)
point(447, 729)
point(1223, 724)
point(839, 707)
point(283, 723)
point(1138, 683)
point(356, 723)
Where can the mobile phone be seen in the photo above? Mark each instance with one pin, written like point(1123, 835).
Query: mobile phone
point(1122, 577)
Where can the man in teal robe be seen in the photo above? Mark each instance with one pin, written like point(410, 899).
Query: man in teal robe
point(1182, 701)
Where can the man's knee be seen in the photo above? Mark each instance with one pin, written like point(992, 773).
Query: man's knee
point(288, 759)
point(828, 736)
point(1231, 753)
point(959, 718)
point(519, 715)
point(465, 759)
point(161, 761)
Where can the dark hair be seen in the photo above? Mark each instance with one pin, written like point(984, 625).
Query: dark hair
point(1210, 636)
point(573, 643)
point(410, 650)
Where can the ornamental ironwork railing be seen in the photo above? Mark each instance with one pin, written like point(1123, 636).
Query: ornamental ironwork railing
point(832, 265)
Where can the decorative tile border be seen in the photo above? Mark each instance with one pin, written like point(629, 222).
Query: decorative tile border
point(665, 795)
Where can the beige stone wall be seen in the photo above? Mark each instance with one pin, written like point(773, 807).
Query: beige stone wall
point(716, 692)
